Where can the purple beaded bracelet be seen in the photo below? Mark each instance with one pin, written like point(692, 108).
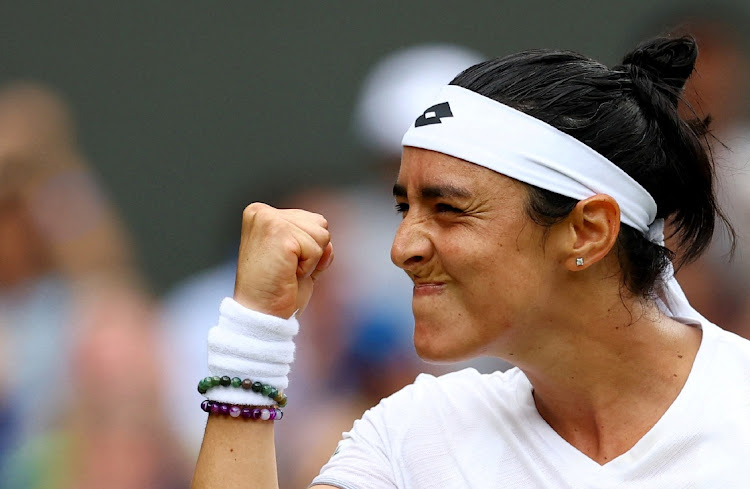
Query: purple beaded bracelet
point(271, 413)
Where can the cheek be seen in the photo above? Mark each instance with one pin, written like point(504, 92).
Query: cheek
point(475, 261)
point(496, 277)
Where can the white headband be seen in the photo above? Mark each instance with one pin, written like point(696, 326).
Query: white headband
point(485, 132)
point(480, 130)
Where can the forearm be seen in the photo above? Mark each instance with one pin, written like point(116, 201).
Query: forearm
point(237, 453)
point(281, 254)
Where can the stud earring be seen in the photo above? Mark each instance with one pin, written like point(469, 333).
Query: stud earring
point(579, 262)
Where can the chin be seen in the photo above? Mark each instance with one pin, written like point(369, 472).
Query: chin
point(433, 347)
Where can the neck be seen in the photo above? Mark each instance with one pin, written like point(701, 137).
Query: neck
point(605, 377)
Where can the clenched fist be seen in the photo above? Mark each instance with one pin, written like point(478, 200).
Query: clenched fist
point(282, 251)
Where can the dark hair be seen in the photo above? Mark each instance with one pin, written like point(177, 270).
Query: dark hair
point(629, 115)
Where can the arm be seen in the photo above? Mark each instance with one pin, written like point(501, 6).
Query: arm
point(238, 455)
point(282, 252)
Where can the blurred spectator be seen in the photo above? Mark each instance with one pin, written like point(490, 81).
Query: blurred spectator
point(73, 319)
point(55, 218)
point(113, 432)
point(54, 227)
point(354, 345)
point(719, 87)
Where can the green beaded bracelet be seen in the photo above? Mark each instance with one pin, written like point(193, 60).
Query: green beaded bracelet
point(267, 390)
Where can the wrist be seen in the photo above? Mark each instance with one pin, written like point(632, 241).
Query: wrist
point(264, 304)
point(249, 344)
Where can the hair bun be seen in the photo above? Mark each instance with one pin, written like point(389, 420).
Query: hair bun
point(667, 60)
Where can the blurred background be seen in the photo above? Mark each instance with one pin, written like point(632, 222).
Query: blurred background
point(184, 108)
point(133, 134)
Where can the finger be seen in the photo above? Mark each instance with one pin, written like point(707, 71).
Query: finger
point(313, 224)
point(324, 263)
point(303, 215)
point(309, 252)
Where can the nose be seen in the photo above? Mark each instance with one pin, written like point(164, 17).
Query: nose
point(411, 245)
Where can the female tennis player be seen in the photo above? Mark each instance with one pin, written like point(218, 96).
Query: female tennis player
point(534, 193)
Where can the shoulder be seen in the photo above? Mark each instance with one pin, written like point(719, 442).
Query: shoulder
point(464, 383)
point(731, 340)
point(403, 438)
point(462, 395)
point(729, 347)
point(469, 380)
point(722, 367)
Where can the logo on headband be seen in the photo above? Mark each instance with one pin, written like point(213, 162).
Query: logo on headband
point(433, 115)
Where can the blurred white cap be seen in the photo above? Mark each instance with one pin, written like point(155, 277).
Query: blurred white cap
point(399, 87)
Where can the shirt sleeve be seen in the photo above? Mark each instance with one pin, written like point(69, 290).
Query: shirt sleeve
point(369, 456)
point(362, 458)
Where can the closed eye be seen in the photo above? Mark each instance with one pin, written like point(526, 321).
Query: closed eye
point(447, 208)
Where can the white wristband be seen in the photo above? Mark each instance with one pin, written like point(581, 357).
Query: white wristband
point(249, 345)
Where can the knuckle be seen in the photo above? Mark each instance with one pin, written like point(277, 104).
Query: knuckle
point(317, 252)
point(321, 221)
point(253, 209)
point(289, 246)
point(261, 215)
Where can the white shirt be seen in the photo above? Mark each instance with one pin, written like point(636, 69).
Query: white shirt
point(467, 430)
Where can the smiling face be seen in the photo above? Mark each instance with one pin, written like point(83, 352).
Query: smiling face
point(476, 259)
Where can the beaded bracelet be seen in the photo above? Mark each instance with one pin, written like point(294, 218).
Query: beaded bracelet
point(248, 412)
point(247, 384)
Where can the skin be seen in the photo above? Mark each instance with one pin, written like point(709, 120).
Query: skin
point(472, 253)
point(604, 365)
point(282, 253)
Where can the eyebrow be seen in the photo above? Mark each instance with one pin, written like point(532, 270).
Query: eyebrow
point(434, 191)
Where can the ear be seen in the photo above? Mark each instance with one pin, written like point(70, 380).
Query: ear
point(591, 229)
